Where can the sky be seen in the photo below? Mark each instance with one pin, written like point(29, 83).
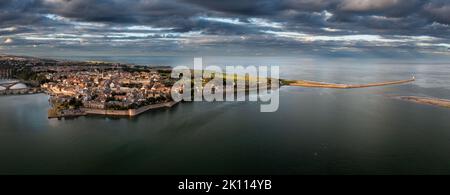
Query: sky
point(322, 28)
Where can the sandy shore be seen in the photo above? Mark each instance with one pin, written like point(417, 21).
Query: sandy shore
point(426, 100)
point(304, 83)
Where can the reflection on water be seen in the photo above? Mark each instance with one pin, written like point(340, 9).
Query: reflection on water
point(315, 131)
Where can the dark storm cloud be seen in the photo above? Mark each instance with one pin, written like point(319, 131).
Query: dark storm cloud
point(241, 7)
point(313, 25)
point(180, 12)
point(438, 10)
point(14, 12)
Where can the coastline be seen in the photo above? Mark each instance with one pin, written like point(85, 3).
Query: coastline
point(445, 103)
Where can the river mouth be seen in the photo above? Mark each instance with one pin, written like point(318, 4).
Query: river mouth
point(312, 128)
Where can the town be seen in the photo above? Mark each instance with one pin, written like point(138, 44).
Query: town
point(98, 91)
point(82, 88)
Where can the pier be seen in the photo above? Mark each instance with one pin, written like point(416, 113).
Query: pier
point(314, 84)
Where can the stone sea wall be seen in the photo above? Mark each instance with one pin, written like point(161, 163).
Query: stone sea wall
point(24, 91)
point(129, 112)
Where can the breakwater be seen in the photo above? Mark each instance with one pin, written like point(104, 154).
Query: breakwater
point(314, 84)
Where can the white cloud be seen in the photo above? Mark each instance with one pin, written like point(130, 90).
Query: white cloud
point(343, 38)
point(77, 24)
point(368, 5)
point(8, 29)
point(376, 39)
point(8, 40)
point(331, 29)
point(223, 20)
point(258, 22)
point(141, 28)
point(265, 23)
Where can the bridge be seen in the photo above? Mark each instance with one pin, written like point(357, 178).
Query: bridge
point(23, 91)
point(8, 86)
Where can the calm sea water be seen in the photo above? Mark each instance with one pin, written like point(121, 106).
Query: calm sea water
point(315, 131)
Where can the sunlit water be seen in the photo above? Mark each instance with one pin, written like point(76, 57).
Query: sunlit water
point(315, 131)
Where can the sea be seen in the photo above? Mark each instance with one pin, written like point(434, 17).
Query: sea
point(314, 131)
